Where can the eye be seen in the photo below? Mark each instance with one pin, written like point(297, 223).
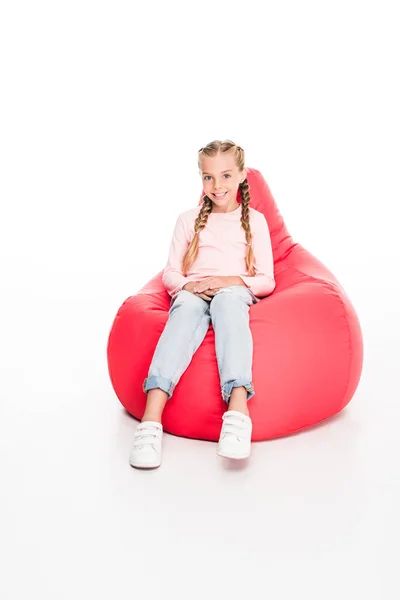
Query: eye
point(225, 174)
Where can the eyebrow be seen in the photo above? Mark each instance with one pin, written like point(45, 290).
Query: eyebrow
point(205, 172)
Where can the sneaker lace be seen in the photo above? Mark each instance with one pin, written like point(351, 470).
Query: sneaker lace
point(145, 436)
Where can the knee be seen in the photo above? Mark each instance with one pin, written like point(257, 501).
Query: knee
point(225, 299)
point(187, 302)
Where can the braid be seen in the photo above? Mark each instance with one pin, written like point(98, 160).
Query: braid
point(245, 220)
point(199, 224)
point(202, 217)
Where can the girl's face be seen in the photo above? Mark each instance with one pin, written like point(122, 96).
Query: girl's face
point(221, 178)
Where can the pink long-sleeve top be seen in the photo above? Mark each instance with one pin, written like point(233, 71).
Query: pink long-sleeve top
point(222, 251)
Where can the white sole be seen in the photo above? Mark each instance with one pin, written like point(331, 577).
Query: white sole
point(234, 457)
point(138, 466)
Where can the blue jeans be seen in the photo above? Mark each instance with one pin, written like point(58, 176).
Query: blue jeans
point(187, 325)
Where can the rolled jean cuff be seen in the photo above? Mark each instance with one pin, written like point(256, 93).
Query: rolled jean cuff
point(159, 382)
point(227, 388)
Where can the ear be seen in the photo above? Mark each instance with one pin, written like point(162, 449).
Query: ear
point(244, 175)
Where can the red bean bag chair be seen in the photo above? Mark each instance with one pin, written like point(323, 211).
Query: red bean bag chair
point(308, 347)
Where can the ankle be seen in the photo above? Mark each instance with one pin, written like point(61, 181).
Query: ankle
point(152, 417)
point(155, 403)
point(242, 408)
point(238, 400)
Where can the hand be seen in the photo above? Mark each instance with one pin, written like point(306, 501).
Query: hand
point(192, 285)
point(213, 284)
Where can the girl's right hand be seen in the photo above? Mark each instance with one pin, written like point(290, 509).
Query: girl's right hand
point(190, 287)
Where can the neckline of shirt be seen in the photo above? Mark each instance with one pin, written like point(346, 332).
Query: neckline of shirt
point(232, 213)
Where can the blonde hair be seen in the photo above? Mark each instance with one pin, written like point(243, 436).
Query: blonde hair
point(192, 251)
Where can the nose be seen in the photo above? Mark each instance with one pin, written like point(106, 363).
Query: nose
point(218, 187)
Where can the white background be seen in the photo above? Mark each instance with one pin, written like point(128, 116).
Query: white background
point(103, 108)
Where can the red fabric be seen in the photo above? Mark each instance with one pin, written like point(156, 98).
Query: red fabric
point(308, 346)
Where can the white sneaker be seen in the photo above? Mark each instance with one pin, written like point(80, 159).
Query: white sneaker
point(147, 445)
point(235, 437)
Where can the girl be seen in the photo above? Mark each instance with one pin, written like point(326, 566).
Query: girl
point(212, 247)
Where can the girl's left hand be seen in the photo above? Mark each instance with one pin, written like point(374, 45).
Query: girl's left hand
point(212, 283)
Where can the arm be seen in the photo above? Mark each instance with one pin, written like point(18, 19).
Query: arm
point(263, 283)
point(173, 278)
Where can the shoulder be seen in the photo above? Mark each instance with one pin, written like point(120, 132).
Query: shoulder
point(188, 216)
point(256, 216)
point(185, 221)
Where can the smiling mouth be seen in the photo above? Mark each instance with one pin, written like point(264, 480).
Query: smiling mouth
point(220, 196)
